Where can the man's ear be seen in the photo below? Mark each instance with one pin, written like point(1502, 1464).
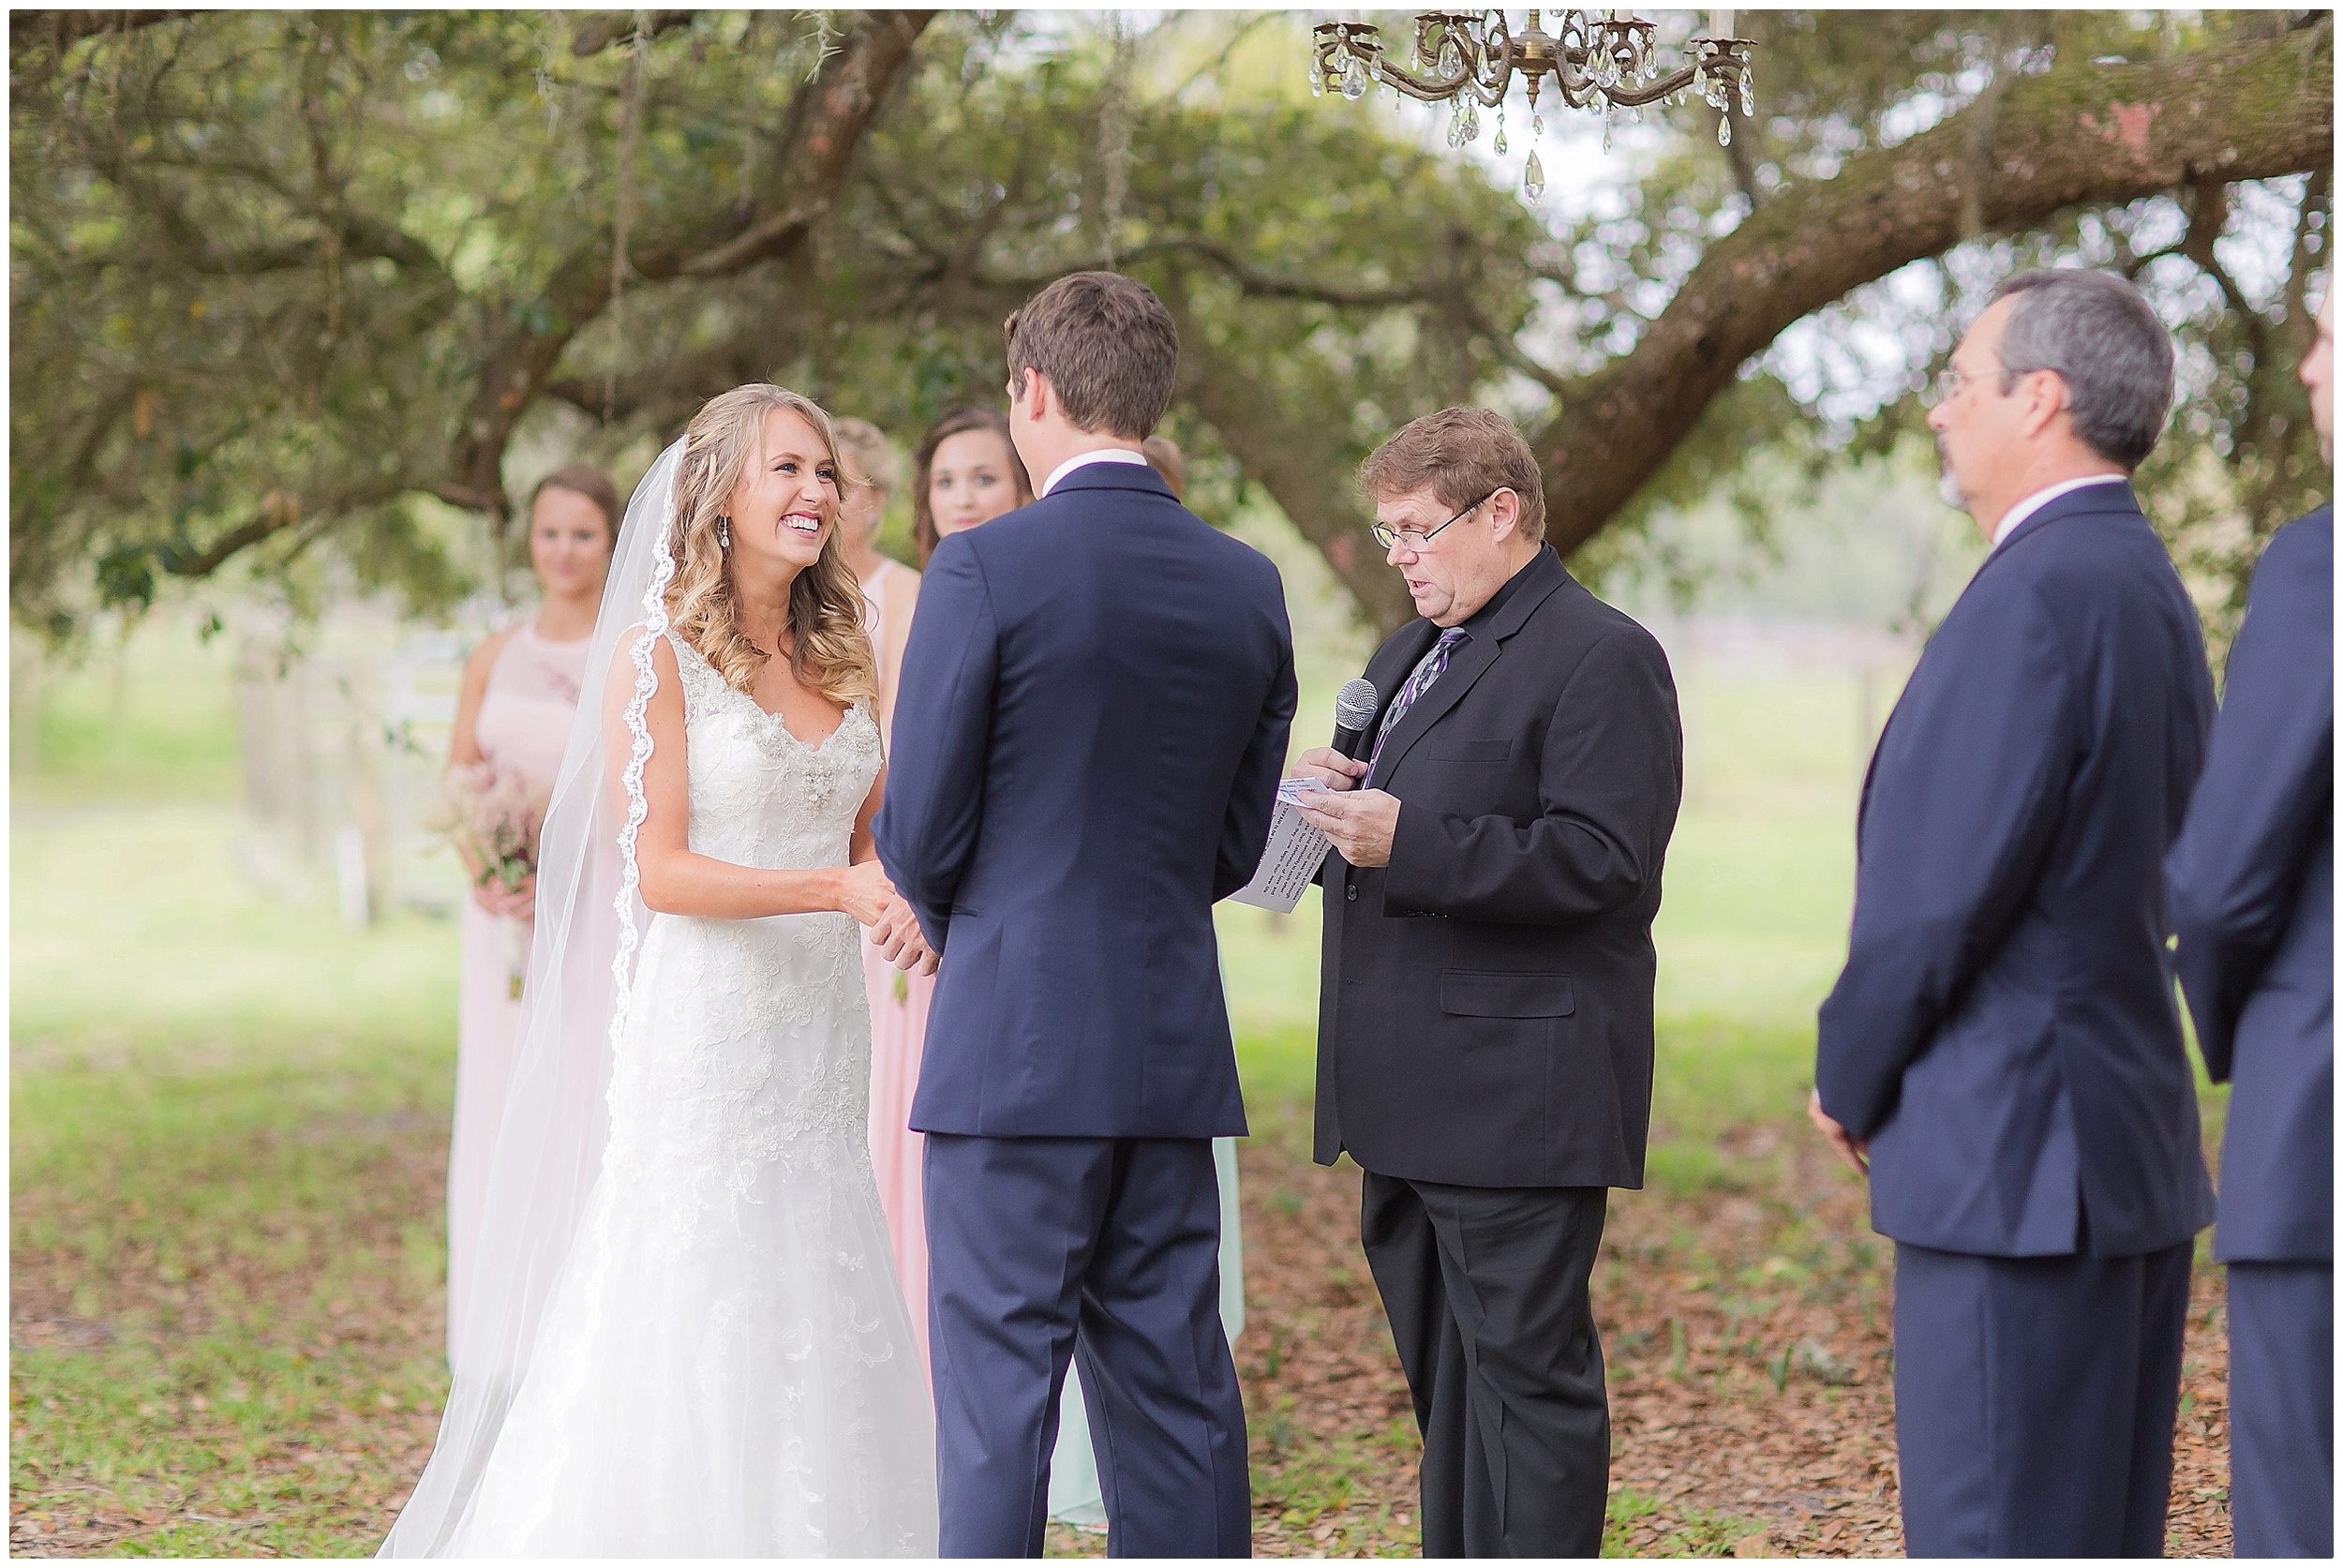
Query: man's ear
point(1040, 396)
point(1505, 516)
point(2046, 399)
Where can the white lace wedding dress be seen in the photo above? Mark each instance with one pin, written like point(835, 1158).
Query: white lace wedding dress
point(725, 1366)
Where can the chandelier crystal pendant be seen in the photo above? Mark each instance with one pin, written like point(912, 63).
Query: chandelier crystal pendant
point(1599, 64)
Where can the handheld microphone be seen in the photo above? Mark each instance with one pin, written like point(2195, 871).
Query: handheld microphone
point(1354, 711)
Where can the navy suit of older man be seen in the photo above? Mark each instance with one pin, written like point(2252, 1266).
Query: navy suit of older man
point(2253, 883)
point(2004, 1049)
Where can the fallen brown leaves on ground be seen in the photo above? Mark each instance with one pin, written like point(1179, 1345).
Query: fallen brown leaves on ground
point(1745, 1325)
point(1747, 1332)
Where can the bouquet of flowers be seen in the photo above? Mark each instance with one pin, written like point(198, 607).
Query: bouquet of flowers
point(493, 816)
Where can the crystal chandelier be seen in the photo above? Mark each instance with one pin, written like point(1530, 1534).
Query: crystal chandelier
point(1599, 64)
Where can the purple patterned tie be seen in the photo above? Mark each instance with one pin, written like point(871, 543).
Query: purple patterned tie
point(1427, 670)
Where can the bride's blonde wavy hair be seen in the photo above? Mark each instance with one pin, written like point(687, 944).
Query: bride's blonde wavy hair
point(832, 653)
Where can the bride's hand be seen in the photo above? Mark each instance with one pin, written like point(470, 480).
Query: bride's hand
point(864, 892)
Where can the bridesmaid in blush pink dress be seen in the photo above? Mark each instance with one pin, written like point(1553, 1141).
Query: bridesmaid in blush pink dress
point(520, 696)
point(966, 473)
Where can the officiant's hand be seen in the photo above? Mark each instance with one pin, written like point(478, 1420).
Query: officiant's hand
point(1330, 768)
point(1853, 1150)
point(1359, 822)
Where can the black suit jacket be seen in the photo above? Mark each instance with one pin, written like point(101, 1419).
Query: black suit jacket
point(1485, 1016)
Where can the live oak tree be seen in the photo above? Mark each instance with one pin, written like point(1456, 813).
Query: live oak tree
point(299, 283)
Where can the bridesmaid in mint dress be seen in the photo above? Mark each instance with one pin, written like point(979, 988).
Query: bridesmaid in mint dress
point(519, 696)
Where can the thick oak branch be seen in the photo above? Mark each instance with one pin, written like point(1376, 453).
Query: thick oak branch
point(2078, 134)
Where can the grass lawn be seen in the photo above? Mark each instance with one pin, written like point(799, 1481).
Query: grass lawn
point(229, 1117)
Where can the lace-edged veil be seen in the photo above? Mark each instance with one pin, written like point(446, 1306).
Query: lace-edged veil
point(581, 962)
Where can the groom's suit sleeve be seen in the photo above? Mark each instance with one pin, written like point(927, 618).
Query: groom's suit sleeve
point(926, 829)
point(1253, 795)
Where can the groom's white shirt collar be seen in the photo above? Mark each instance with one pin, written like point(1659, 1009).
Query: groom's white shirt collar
point(1103, 455)
point(2038, 499)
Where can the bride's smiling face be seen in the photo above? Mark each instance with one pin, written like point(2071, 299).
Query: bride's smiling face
point(786, 503)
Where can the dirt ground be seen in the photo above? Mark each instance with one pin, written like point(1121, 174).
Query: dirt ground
point(1745, 1327)
point(1747, 1336)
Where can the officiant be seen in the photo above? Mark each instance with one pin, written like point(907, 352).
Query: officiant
point(1485, 1029)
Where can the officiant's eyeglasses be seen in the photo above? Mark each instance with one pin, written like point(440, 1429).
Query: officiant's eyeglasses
point(1387, 536)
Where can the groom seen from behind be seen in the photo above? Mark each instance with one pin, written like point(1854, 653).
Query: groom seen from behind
point(1093, 715)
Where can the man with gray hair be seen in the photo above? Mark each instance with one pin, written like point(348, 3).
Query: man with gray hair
point(2002, 1055)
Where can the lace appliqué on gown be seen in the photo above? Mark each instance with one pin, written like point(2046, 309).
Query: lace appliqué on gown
point(726, 1366)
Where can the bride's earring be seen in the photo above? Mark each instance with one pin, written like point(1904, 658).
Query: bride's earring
point(724, 534)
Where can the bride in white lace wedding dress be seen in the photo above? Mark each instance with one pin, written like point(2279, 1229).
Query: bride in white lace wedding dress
point(721, 1362)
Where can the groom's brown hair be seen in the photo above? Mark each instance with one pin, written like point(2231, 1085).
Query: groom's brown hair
point(1107, 345)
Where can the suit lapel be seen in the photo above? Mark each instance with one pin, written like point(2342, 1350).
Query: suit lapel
point(1481, 649)
point(1465, 666)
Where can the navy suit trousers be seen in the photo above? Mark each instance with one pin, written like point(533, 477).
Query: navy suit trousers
point(1108, 1249)
point(2281, 1409)
point(2034, 1400)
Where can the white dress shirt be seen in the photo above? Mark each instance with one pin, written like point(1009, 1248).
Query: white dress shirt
point(1103, 455)
point(2035, 502)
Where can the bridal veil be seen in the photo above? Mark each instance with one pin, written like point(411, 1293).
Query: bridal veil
point(581, 962)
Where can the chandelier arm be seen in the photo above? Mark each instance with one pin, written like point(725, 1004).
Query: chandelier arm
point(1578, 91)
point(1495, 75)
point(1438, 89)
point(1572, 75)
point(1488, 95)
point(1636, 98)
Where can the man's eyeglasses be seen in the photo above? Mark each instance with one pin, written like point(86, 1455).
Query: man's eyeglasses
point(1948, 383)
point(1387, 536)
point(1951, 379)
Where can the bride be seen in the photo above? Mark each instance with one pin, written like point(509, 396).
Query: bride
point(694, 1343)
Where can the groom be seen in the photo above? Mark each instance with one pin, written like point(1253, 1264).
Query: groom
point(1092, 719)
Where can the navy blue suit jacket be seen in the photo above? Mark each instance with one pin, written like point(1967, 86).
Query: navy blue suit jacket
point(1088, 735)
point(2004, 1032)
point(2253, 883)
